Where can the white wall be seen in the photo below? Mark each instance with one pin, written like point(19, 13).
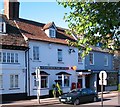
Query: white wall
point(6, 69)
point(48, 57)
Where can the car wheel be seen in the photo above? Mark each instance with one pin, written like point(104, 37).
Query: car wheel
point(77, 102)
point(95, 99)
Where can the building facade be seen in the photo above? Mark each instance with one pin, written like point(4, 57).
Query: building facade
point(101, 60)
point(12, 60)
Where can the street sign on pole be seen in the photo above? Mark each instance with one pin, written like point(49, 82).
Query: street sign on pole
point(103, 77)
point(38, 79)
point(102, 81)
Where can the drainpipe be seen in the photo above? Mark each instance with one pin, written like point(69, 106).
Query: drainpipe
point(28, 64)
point(28, 74)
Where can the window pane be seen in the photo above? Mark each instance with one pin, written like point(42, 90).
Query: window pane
point(16, 80)
point(44, 80)
point(1, 81)
point(52, 32)
point(11, 81)
point(59, 54)
point(4, 57)
point(66, 81)
point(12, 57)
point(1, 27)
point(79, 57)
point(8, 57)
point(60, 80)
point(91, 58)
point(16, 58)
point(35, 82)
point(0, 57)
point(105, 60)
point(36, 53)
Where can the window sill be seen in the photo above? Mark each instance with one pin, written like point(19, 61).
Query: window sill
point(80, 62)
point(3, 33)
point(60, 62)
point(37, 61)
point(41, 88)
point(8, 63)
point(106, 65)
point(1, 88)
point(14, 88)
point(91, 64)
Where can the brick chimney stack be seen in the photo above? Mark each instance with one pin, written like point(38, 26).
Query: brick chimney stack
point(11, 9)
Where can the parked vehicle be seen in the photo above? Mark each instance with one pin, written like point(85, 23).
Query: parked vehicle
point(78, 96)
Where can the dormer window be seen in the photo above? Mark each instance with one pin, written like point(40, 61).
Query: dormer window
point(52, 33)
point(2, 27)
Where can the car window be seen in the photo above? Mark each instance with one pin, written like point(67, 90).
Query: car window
point(84, 92)
point(75, 91)
point(90, 91)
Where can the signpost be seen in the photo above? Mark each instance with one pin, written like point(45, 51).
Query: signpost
point(38, 83)
point(102, 81)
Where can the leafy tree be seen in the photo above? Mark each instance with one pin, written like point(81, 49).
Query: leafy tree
point(93, 23)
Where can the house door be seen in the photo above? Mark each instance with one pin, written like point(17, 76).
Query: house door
point(80, 80)
point(87, 81)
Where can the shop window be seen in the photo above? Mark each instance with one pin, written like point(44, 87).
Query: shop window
point(112, 79)
point(44, 81)
point(64, 80)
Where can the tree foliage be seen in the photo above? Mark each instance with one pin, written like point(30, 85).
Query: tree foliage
point(94, 22)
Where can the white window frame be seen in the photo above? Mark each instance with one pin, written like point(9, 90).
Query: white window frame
point(12, 58)
point(80, 59)
point(3, 27)
point(1, 81)
point(60, 55)
point(63, 80)
point(8, 57)
point(16, 58)
point(36, 56)
point(105, 60)
point(14, 83)
point(92, 58)
point(53, 33)
point(35, 81)
point(4, 57)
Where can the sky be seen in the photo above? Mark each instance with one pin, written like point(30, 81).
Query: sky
point(42, 11)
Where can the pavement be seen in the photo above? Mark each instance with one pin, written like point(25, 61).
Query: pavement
point(49, 101)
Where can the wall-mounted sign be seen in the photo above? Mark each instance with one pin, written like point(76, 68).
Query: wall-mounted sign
point(54, 68)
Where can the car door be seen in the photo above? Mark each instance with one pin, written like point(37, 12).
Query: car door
point(84, 95)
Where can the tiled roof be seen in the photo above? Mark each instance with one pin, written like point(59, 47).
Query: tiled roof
point(12, 37)
point(48, 25)
point(34, 31)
